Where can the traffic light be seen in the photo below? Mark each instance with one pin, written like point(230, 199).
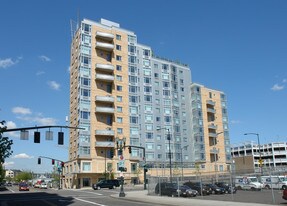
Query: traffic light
point(62, 164)
point(130, 149)
point(37, 137)
point(145, 169)
point(112, 153)
point(39, 161)
point(53, 161)
point(60, 138)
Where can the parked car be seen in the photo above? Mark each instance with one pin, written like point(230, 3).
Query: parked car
point(200, 188)
point(228, 188)
point(284, 196)
point(187, 191)
point(111, 184)
point(216, 189)
point(169, 189)
point(23, 186)
point(9, 184)
point(44, 185)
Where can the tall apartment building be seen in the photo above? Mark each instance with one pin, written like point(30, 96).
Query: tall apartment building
point(210, 129)
point(121, 92)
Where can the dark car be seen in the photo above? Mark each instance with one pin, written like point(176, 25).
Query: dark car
point(23, 186)
point(284, 195)
point(111, 184)
point(228, 188)
point(200, 188)
point(216, 189)
point(169, 189)
point(187, 191)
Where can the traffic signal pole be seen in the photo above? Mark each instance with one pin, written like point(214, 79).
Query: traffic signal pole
point(145, 169)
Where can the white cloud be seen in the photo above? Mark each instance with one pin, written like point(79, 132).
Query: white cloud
point(8, 164)
point(45, 58)
point(21, 110)
point(235, 121)
point(11, 125)
point(40, 73)
point(69, 69)
point(277, 87)
point(38, 120)
point(5, 63)
point(22, 156)
point(284, 80)
point(54, 85)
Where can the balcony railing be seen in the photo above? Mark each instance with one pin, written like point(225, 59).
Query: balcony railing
point(105, 144)
point(211, 110)
point(109, 110)
point(212, 134)
point(106, 132)
point(210, 102)
point(212, 126)
point(105, 35)
point(105, 67)
point(105, 46)
point(105, 99)
point(105, 77)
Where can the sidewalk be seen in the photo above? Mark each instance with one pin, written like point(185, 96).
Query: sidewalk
point(141, 196)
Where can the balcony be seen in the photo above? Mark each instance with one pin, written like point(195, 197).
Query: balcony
point(212, 134)
point(105, 77)
point(108, 99)
point(105, 132)
point(210, 102)
point(105, 67)
point(214, 151)
point(109, 110)
point(211, 110)
point(104, 46)
point(104, 35)
point(212, 126)
point(105, 144)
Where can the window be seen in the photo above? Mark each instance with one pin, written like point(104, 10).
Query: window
point(119, 120)
point(156, 92)
point(156, 75)
point(131, 48)
point(148, 108)
point(148, 117)
point(133, 89)
point(86, 166)
point(133, 167)
point(167, 119)
point(119, 98)
point(120, 109)
point(165, 84)
point(133, 119)
point(155, 66)
point(166, 92)
point(132, 59)
point(149, 127)
point(132, 69)
point(158, 147)
point(85, 115)
point(149, 135)
point(210, 95)
point(157, 119)
point(133, 110)
point(119, 130)
point(147, 89)
point(119, 78)
point(118, 37)
point(85, 81)
point(146, 52)
point(133, 99)
point(147, 80)
point(119, 88)
point(118, 47)
point(149, 146)
point(85, 92)
point(119, 68)
point(148, 98)
point(119, 58)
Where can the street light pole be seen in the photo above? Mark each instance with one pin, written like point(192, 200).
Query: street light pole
point(216, 155)
point(260, 158)
point(121, 144)
point(182, 162)
point(169, 153)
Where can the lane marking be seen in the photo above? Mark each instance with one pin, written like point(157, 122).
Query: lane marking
point(93, 203)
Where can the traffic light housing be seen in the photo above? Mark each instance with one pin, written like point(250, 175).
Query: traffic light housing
point(53, 161)
point(36, 137)
point(39, 161)
point(62, 164)
point(60, 138)
point(130, 149)
point(112, 153)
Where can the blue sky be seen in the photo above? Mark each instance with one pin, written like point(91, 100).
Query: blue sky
point(239, 47)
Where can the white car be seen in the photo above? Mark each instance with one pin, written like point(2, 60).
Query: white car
point(44, 185)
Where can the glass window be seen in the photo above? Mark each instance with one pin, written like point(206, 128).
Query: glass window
point(133, 119)
point(133, 110)
point(118, 47)
point(119, 58)
point(149, 146)
point(148, 98)
point(149, 135)
point(119, 109)
point(119, 120)
point(119, 98)
point(133, 99)
point(134, 131)
point(119, 88)
point(147, 80)
point(118, 37)
point(148, 108)
point(119, 78)
point(86, 166)
point(120, 130)
point(165, 76)
point(148, 117)
point(119, 68)
point(149, 127)
point(85, 115)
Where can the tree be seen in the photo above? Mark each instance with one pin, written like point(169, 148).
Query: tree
point(2, 173)
point(23, 176)
point(5, 144)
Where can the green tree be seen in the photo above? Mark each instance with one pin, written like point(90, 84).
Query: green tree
point(5, 144)
point(2, 173)
point(23, 176)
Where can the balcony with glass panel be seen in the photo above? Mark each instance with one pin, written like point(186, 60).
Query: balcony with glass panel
point(105, 67)
point(105, 35)
point(212, 134)
point(212, 126)
point(108, 99)
point(104, 46)
point(105, 132)
point(105, 77)
point(210, 102)
point(108, 144)
point(211, 110)
point(108, 110)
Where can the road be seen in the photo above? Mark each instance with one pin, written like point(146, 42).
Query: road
point(52, 197)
